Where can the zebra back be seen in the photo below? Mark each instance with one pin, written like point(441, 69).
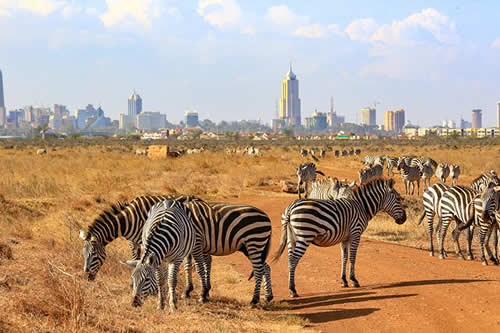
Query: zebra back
point(482, 182)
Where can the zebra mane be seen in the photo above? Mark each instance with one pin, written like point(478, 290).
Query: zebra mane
point(374, 181)
point(114, 209)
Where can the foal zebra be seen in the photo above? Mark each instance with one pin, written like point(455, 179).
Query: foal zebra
point(410, 175)
point(223, 228)
point(306, 173)
point(168, 237)
point(326, 223)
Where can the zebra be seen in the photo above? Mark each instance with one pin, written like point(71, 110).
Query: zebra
point(442, 172)
point(322, 153)
point(168, 236)
point(481, 182)
point(410, 175)
point(337, 153)
point(371, 160)
point(427, 173)
point(392, 163)
point(330, 189)
point(454, 173)
point(366, 174)
point(127, 220)
point(329, 222)
point(357, 152)
point(306, 173)
point(344, 153)
point(303, 152)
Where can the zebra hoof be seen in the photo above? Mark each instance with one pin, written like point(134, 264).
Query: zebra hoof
point(461, 257)
point(254, 302)
point(355, 284)
point(441, 256)
point(269, 298)
point(431, 254)
point(293, 294)
point(470, 257)
point(485, 263)
point(202, 300)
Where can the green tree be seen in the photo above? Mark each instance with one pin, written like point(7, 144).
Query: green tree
point(288, 132)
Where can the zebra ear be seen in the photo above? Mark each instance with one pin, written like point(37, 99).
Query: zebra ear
point(150, 260)
point(390, 184)
point(83, 234)
point(131, 263)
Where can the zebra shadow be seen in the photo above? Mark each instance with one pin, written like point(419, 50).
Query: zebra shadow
point(337, 314)
point(427, 282)
point(305, 302)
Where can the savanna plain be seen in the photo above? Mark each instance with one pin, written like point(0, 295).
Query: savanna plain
point(46, 199)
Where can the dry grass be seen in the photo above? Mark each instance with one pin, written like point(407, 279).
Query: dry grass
point(45, 200)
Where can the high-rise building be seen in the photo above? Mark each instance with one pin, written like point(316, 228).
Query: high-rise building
point(151, 120)
point(369, 116)
point(332, 118)
point(498, 114)
point(134, 107)
point(191, 118)
point(317, 121)
point(394, 120)
point(3, 112)
point(477, 115)
point(290, 101)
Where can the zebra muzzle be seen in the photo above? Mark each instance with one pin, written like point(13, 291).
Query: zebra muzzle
point(136, 301)
point(91, 276)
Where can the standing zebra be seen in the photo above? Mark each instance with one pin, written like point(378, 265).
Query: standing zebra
point(442, 172)
point(371, 160)
point(168, 237)
point(306, 173)
point(337, 153)
point(427, 174)
point(303, 152)
point(392, 162)
point(482, 182)
point(410, 175)
point(376, 170)
point(454, 173)
point(326, 223)
point(330, 189)
point(220, 226)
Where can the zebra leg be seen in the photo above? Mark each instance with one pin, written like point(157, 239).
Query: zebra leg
point(199, 265)
point(444, 223)
point(456, 236)
point(298, 188)
point(345, 255)
point(470, 235)
point(173, 268)
point(306, 186)
point(207, 264)
point(495, 242)
point(267, 283)
point(430, 227)
point(161, 274)
point(293, 260)
point(188, 268)
point(255, 258)
point(352, 259)
point(487, 245)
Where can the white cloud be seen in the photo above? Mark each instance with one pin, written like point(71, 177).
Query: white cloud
point(496, 43)
point(121, 11)
point(40, 7)
point(311, 31)
point(91, 11)
point(220, 13)
point(248, 30)
point(361, 29)
point(282, 15)
point(70, 10)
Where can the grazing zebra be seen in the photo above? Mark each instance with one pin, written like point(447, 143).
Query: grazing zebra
point(127, 220)
point(454, 173)
point(427, 174)
point(329, 222)
point(306, 173)
point(442, 172)
point(392, 162)
point(456, 203)
point(374, 171)
point(168, 237)
point(431, 197)
point(337, 153)
point(330, 189)
point(410, 175)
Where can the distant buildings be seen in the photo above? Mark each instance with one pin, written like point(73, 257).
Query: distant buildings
point(368, 116)
point(477, 118)
point(3, 112)
point(134, 108)
point(332, 118)
point(290, 101)
point(191, 118)
point(151, 120)
point(498, 114)
point(394, 120)
point(465, 123)
point(449, 124)
point(318, 121)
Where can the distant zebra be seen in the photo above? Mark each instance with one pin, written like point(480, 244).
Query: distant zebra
point(357, 152)
point(372, 160)
point(337, 153)
point(410, 175)
point(306, 173)
point(345, 152)
point(351, 152)
point(322, 153)
point(427, 174)
point(454, 173)
point(392, 162)
point(330, 189)
point(442, 172)
point(303, 152)
point(168, 237)
point(127, 220)
point(368, 173)
point(329, 222)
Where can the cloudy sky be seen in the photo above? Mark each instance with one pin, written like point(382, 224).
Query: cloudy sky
point(226, 58)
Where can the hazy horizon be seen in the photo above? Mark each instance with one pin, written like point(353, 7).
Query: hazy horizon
point(227, 58)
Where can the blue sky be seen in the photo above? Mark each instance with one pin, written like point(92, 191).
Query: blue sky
point(226, 58)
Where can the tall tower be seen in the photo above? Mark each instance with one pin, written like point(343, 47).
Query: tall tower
point(134, 107)
point(290, 101)
point(477, 118)
point(2, 103)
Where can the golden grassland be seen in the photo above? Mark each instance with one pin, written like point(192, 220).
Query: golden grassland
point(45, 200)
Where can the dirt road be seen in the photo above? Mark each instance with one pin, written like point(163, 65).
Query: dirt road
point(402, 289)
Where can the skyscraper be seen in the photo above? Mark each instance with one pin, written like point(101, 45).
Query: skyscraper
point(369, 116)
point(498, 114)
point(394, 120)
point(477, 118)
point(134, 107)
point(290, 101)
point(2, 103)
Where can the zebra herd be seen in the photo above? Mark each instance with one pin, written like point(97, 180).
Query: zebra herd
point(321, 152)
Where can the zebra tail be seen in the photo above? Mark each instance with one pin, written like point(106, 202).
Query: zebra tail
point(421, 218)
point(321, 173)
point(469, 222)
point(286, 229)
point(265, 253)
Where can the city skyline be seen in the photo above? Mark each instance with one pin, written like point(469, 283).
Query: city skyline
point(437, 61)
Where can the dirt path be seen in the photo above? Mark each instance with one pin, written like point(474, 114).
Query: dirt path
point(402, 289)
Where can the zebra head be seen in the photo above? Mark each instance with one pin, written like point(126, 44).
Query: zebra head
point(144, 278)
point(391, 203)
point(94, 254)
